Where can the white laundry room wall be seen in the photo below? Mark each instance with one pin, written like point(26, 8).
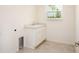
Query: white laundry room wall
point(62, 31)
point(11, 18)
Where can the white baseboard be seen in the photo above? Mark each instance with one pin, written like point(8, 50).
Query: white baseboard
point(64, 42)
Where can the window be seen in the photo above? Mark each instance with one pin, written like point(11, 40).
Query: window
point(55, 11)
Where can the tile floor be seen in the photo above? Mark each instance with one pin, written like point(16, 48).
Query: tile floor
point(50, 47)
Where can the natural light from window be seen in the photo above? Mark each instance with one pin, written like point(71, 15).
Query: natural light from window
point(55, 11)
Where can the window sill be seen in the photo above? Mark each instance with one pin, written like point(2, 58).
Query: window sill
point(55, 19)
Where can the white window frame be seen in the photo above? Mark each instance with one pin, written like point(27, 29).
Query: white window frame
point(56, 19)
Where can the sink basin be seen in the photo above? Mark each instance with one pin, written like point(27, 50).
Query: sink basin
point(35, 26)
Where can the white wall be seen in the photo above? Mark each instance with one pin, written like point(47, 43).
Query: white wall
point(60, 31)
point(77, 23)
point(77, 27)
point(14, 17)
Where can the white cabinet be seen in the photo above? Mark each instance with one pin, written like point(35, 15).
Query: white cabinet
point(34, 35)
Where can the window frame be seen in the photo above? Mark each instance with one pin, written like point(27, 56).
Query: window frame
point(62, 14)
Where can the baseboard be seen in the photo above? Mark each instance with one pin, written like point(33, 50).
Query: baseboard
point(63, 42)
point(40, 44)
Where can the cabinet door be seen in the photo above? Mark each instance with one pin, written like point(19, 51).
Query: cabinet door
point(40, 35)
point(29, 38)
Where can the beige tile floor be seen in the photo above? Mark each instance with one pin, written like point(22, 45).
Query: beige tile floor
point(50, 47)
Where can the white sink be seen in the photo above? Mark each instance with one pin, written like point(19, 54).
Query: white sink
point(35, 26)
